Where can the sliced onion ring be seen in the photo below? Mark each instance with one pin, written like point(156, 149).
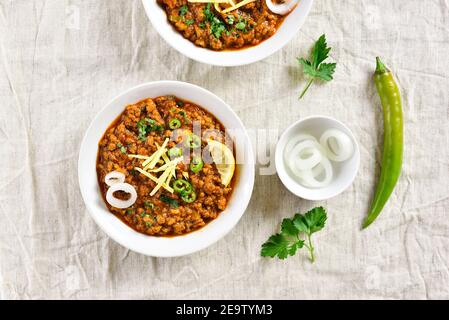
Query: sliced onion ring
point(118, 203)
point(295, 140)
point(337, 145)
point(114, 177)
point(309, 177)
point(282, 8)
point(301, 149)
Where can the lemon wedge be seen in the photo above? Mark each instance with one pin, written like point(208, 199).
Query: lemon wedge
point(224, 160)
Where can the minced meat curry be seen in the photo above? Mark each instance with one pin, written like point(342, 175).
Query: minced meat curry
point(205, 26)
point(193, 197)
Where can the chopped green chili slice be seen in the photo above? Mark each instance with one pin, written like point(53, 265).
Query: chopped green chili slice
point(193, 141)
point(182, 186)
point(174, 152)
point(197, 164)
point(188, 198)
point(174, 124)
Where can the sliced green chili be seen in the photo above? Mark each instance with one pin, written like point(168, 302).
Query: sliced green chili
point(393, 139)
point(148, 204)
point(197, 164)
point(188, 198)
point(174, 124)
point(193, 141)
point(182, 186)
point(175, 152)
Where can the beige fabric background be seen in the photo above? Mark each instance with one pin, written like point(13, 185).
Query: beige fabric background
point(54, 78)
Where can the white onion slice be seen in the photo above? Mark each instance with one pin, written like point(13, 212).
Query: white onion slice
point(307, 147)
point(114, 177)
point(282, 8)
point(118, 203)
point(295, 140)
point(337, 145)
point(310, 177)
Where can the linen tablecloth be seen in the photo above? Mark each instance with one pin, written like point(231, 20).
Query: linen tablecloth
point(62, 60)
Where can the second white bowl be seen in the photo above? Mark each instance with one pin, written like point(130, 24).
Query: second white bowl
point(286, 32)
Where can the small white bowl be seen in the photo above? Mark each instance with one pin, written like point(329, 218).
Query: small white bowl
point(286, 32)
point(344, 172)
point(165, 246)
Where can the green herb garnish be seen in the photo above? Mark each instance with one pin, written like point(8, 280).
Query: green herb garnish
point(129, 211)
point(287, 242)
point(189, 22)
point(217, 27)
point(149, 204)
point(122, 148)
point(316, 69)
point(231, 19)
point(145, 126)
point(184, 9)
point(172, 202)
point(184, 115)
point(241, 25)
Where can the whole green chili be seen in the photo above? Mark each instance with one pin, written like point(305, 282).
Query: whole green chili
point(393, 139)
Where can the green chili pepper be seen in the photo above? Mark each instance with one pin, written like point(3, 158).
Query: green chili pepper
point(182, 186)
point(175, 152)
point(393, 139)
point(188, 198)
point(197, 164)
point(174, 124)
point(193, 141)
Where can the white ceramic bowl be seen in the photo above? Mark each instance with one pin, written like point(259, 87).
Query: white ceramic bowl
point(344, 172)
point(165, 246)
point(286, 32)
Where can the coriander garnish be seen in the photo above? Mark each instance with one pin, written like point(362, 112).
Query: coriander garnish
point(287, 242)
point(315, 68)
point(122, 148)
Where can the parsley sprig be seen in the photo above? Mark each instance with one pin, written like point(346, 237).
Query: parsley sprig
point(315, 68)
point(288, 242)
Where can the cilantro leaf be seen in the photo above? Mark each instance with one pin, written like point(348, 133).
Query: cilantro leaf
point(316, 69)
point(145, 126)
point(289, 228)
point(122, 148)
point(184, 9)
point(280, 246)
point(170, 201)
point(315, 219)
point(217, 27)
point(320, 51)
point(288, 242)
point(241, 25)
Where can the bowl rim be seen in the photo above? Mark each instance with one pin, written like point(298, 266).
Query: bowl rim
point(236, 58)
point(248, 183)
point(281, 168)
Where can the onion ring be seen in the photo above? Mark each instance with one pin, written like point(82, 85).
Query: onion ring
point(301, 149)
point(309, 177)
point(114, 177)
point(337, 145)
point(118, 203)
point(297, 139)
point(282, 8)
